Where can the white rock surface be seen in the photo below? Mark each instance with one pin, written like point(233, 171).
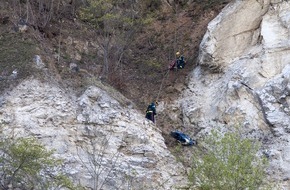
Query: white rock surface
point(243, 78)
point(129, 148)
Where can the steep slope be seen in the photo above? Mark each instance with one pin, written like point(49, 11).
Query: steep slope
point(91, 131)
point(66, 43)
point(50, 99)
point(243, 79)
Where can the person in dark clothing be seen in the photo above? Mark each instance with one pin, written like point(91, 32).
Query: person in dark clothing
point(180, 62)
point(151, 112)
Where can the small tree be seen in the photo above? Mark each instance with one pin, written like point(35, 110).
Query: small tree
point(115, 23)
point(228, 162)
point(93, 158)
point(26, 164)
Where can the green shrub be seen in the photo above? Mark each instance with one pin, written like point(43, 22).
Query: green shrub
point(26, 164)
point(228, 162)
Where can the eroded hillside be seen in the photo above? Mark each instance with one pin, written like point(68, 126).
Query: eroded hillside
point(64, 39)
point(63, 42)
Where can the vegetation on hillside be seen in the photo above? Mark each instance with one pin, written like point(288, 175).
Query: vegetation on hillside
point(223, 162)
point(115, 24)
point(209, 4)
point(135, 41)
point(15, 56)
point(228, 162)
point(26, 164)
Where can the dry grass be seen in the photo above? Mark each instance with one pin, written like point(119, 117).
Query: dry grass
point(16, 53)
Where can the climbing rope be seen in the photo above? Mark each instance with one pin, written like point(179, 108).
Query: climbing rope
point(174, 49)
point(160, 88)
point(176, 36)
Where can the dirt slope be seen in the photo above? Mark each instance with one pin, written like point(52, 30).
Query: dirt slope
point(144, 71)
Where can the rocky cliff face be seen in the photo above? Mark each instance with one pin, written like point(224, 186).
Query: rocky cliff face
point(104, 144)
point(243, 78)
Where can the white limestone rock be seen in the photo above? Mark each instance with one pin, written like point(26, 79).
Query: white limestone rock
point(129, 148)
point(243, 77)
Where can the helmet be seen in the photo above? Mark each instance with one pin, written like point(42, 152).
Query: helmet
point(177, 54)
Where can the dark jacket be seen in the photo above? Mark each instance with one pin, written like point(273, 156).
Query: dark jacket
point(180, 62)
point(151, 112)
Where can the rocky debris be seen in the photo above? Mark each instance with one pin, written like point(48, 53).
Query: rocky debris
point(74, 67)
point(76, 47)
point(38, 62)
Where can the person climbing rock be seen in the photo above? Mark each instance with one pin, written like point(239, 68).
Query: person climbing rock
point(151, 111)
point(180, 62)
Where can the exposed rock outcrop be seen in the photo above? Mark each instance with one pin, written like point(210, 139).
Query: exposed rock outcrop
point(232, 32)
point(103, 143)
point(242, 78)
